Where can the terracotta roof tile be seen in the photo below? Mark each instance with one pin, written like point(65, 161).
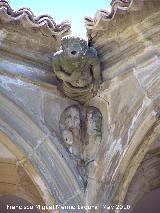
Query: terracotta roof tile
point(27, 16)
point(103, 15)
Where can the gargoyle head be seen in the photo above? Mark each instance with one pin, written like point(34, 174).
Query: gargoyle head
point(74, 47)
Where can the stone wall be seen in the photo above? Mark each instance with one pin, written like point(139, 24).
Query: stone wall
point(127, 42)
point(31, 105)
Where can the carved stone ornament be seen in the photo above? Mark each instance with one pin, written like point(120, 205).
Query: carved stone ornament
point(81, 130)
point(93, 133)
point(70, 130)
point(78, 67)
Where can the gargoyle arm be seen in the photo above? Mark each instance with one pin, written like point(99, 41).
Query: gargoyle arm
point(61, 73)
point(58, 70)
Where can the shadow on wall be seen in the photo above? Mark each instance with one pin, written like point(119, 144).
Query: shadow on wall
point(150, 203)
point(15, 204)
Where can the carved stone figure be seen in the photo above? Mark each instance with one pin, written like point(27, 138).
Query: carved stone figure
point(70, 130)
point(78, 67)
point(81, 134)
point(93, 134)
point(81, 130)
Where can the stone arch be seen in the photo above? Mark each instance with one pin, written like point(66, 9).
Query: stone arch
point(141, 143)
point(25, 172)
point(115, 166)
point(146, 178)
point(39, 154)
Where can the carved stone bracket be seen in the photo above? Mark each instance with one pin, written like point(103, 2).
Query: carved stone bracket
point(77, 67)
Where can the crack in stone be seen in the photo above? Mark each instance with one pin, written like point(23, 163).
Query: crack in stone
point(99, 96)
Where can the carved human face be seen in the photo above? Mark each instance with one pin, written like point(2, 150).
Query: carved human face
point(74, 50)
point(94, 122)
point(74, 47)
point(73, 118)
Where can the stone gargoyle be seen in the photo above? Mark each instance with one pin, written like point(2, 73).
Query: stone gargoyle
point(78, 67)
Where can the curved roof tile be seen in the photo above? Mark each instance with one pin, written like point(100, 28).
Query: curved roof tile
point(104, 15)
point(25, 14)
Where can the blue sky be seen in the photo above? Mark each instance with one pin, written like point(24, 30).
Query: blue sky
point(71, 10)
